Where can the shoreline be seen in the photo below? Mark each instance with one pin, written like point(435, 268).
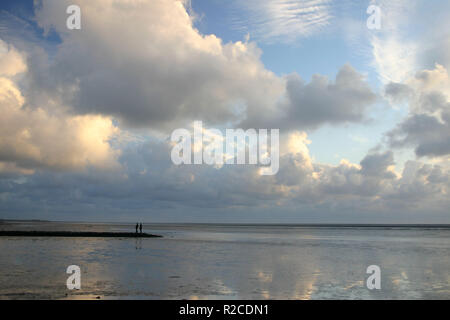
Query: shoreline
point(244, 224)
point(75, 234)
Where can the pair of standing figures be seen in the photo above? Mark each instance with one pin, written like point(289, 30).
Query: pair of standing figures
point(139, 226)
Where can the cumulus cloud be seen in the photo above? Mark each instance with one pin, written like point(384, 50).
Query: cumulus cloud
point(427, 128)
point(161, 74)
point(347, 99)
point(166, 74)
point(11, 61)
point(378, 165)
point(147, 182)
point(33, 138)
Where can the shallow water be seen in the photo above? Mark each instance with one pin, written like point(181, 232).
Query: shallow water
point(227, 261)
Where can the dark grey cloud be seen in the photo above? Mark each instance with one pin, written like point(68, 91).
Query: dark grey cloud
point(426, 134)
point(398, 92)
point(378, 164)
point(427, 127)
point(321, 101)
point(149, 185)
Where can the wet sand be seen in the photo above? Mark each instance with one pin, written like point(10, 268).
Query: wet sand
point(226, 262)
point(76, 234)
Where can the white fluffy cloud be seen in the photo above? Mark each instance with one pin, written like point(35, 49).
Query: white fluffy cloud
point(32, 137)
point(145, 63)
point(165, 74)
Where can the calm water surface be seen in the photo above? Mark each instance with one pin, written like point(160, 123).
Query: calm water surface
point(227, 262)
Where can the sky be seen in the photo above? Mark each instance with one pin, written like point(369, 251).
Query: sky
point(363, 113)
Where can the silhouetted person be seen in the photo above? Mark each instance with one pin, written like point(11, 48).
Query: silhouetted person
point(140, 227)
point(137, 226)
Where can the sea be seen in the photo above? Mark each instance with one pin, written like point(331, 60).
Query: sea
point(228, 261)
